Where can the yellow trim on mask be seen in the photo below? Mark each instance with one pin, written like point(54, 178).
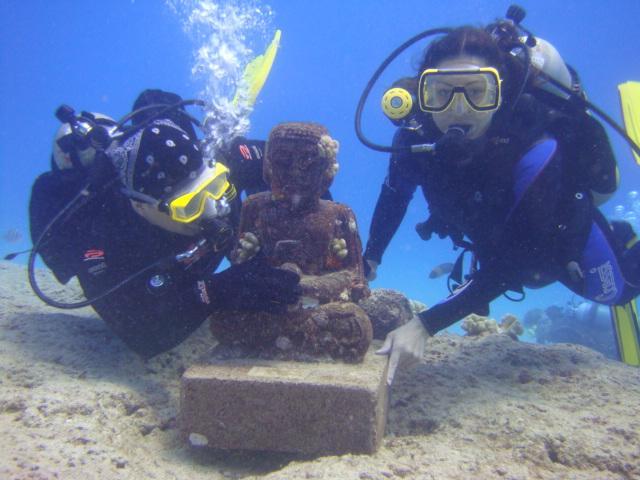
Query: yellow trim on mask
point(214, 187)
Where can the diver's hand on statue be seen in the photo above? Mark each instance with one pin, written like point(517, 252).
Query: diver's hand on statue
point(248, 247)
point(253, 286)
point(404, 346)
point(370, 269)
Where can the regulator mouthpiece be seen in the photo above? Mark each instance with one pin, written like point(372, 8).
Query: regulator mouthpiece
point(457, 130)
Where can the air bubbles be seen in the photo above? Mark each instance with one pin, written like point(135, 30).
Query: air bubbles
point(630, 210)
point(223, 33)
point(618, 212)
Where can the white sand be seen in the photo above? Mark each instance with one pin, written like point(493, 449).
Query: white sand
point(76, 404)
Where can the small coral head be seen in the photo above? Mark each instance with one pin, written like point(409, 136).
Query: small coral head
point(300, 161)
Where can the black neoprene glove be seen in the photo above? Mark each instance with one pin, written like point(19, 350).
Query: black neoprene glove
point(253, 286)
point(432, 225)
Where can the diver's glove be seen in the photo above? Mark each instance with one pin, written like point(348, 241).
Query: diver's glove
point(370, 269)
point(405, 346)
point(438, 226)
point(433, 225)
point(253, 286)
point(454, 147)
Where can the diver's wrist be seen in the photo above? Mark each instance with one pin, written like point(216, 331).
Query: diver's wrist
point(427, 321)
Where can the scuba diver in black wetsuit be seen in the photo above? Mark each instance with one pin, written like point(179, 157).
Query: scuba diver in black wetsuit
point(147, 222)
point(510, 173)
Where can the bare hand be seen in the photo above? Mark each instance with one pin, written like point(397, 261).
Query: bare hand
point(405, 346)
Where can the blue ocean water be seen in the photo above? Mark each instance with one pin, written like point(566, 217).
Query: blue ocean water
point(98, 56)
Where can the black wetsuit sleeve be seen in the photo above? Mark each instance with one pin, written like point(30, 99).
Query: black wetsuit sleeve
point(61, 245)
point(396, 193)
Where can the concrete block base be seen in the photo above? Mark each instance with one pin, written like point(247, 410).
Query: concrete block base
point(254, 404)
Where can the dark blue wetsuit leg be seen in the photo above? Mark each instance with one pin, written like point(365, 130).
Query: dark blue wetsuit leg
point(603, 268)
point(480, 290)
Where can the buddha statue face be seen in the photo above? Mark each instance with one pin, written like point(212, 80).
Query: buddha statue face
point(300, 163)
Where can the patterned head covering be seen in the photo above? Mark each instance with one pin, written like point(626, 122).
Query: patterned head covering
point(157, 158)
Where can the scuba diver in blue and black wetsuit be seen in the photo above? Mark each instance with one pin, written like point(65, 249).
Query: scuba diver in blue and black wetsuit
point(510, 171)
point(143, 221)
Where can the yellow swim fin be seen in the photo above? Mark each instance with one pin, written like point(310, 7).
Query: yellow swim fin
point(627, 330)
point(256, 73)
point(630, 103)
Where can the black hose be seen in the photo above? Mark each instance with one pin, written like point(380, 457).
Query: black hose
point(165, 108)
point(84, 192)
point(374, 79)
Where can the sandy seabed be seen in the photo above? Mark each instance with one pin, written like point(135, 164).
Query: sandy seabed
point(76, 404)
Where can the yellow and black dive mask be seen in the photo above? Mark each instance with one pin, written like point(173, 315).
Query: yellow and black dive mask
point(480, 87)
point(188, 202)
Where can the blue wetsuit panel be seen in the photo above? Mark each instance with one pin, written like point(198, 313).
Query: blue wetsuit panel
point(530, 167)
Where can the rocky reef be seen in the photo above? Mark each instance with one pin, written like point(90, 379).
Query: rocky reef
point(478, 325)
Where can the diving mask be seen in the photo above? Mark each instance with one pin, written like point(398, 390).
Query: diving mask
point(480, 87)
point(188, 203)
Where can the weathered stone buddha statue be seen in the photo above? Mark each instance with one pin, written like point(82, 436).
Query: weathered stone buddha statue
point(293, 228)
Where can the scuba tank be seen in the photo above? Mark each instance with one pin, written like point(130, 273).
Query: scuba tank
point(546, 58)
